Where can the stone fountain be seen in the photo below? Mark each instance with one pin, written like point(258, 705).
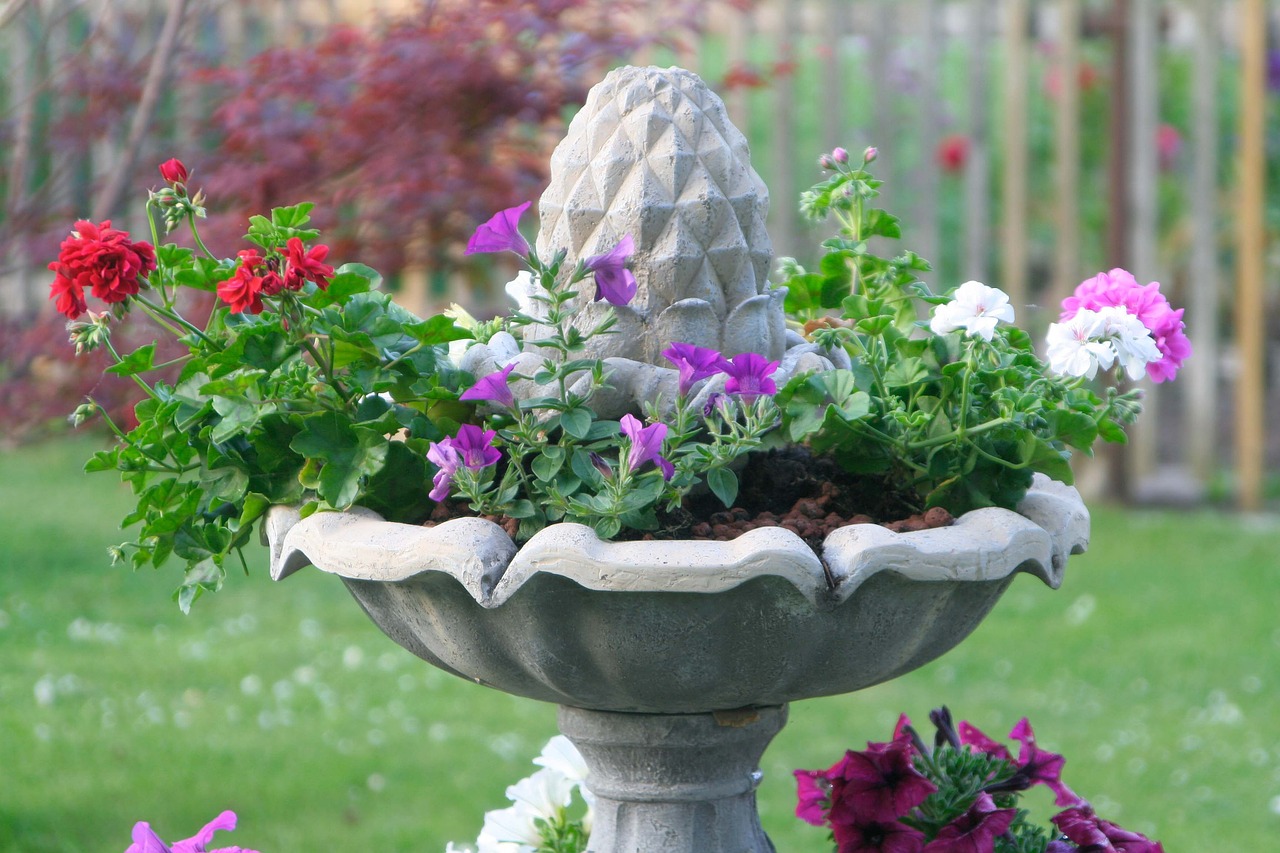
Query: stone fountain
point(673, 662)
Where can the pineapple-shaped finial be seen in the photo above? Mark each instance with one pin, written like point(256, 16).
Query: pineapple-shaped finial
point(652, 154)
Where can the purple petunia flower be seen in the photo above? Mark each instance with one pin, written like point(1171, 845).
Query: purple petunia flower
point(614, 282)
point(471, 448)
point(879, 784)
point(971, 735)
point(874, 836)
point(1091, 832)
point(443, 455)
point(694, 363)
point(646, 445)
point(749, 375)
point(812, 792)
point(975, 830)
point(493, 389)
point(1042, 767)
point(146, 841)
point(501, 233)
point(475, 446)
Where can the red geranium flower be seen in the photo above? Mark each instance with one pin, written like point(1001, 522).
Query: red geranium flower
point(953, 152)
point(98, 258)
point(243, 291)
point(307, 265)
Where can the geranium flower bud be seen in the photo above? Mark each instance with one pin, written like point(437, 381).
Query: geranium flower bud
point(840, 155)
point(870, 154)
point(825, 162)
point(173, 171)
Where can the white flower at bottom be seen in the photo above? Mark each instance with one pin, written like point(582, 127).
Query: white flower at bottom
point(1074, 348)
point(560, 754)
point(976, 308)
point(547, 792)
point(510, 830)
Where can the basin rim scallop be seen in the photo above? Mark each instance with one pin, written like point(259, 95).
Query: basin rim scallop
point(1051, 523)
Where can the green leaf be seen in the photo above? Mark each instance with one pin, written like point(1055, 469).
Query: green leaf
point(804, 294)
point(349, 454)
point(548, 463)
point(724, 484)
point(576, 422)
point(438, 330)
point(341, 288)
point(139, 361)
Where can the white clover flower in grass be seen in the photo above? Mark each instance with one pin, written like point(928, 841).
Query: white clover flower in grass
point(974, 307)
point(1075, 347)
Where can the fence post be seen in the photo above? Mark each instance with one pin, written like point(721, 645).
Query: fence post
point(977, 177)
point(783, 184)
point(1014, 196)
point(1144, 101)
point(924, 204)
point(1066, 266)
point(1249, 389)
point(1201, 409)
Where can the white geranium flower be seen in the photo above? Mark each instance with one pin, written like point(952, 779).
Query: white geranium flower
point(976, 308)
point(1075, 347)
point(1134, 346)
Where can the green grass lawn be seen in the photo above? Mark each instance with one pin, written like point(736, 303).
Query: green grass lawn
point(1155, 670)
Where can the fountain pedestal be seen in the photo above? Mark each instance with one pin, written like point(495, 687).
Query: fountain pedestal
point(674, 782)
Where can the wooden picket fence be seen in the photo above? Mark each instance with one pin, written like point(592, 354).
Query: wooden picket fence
point(980, 110)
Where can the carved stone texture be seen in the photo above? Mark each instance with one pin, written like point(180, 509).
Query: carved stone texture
point(653, 154)
point(675, 782)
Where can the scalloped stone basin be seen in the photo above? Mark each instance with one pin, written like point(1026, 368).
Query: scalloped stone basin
point(686, 626)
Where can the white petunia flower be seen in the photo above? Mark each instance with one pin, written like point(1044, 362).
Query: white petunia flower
point(976, 308)
point(1075, 348)
point(510, 830)
point(547, 792)
point(560, 754)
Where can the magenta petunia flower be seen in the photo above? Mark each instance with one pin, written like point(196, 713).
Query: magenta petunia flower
point(879, 784)
point(749, 374)
point(812, 792)
point(146, 841)
point(646, 445)
point(501, 233)
point(1091, 832)
point(974, 831)
point(1042, 767)
point(614, 282)
point(971, 735)
point(694, 363)
point(872, 836)
point(493, 388)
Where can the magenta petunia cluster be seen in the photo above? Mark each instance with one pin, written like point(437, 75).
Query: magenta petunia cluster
point(1118, 288)
point(895, 797)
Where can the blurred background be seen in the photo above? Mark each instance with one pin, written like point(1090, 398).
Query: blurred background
point(1025, 143)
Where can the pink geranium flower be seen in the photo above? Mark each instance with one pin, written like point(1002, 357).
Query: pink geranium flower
point(1119, 288)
